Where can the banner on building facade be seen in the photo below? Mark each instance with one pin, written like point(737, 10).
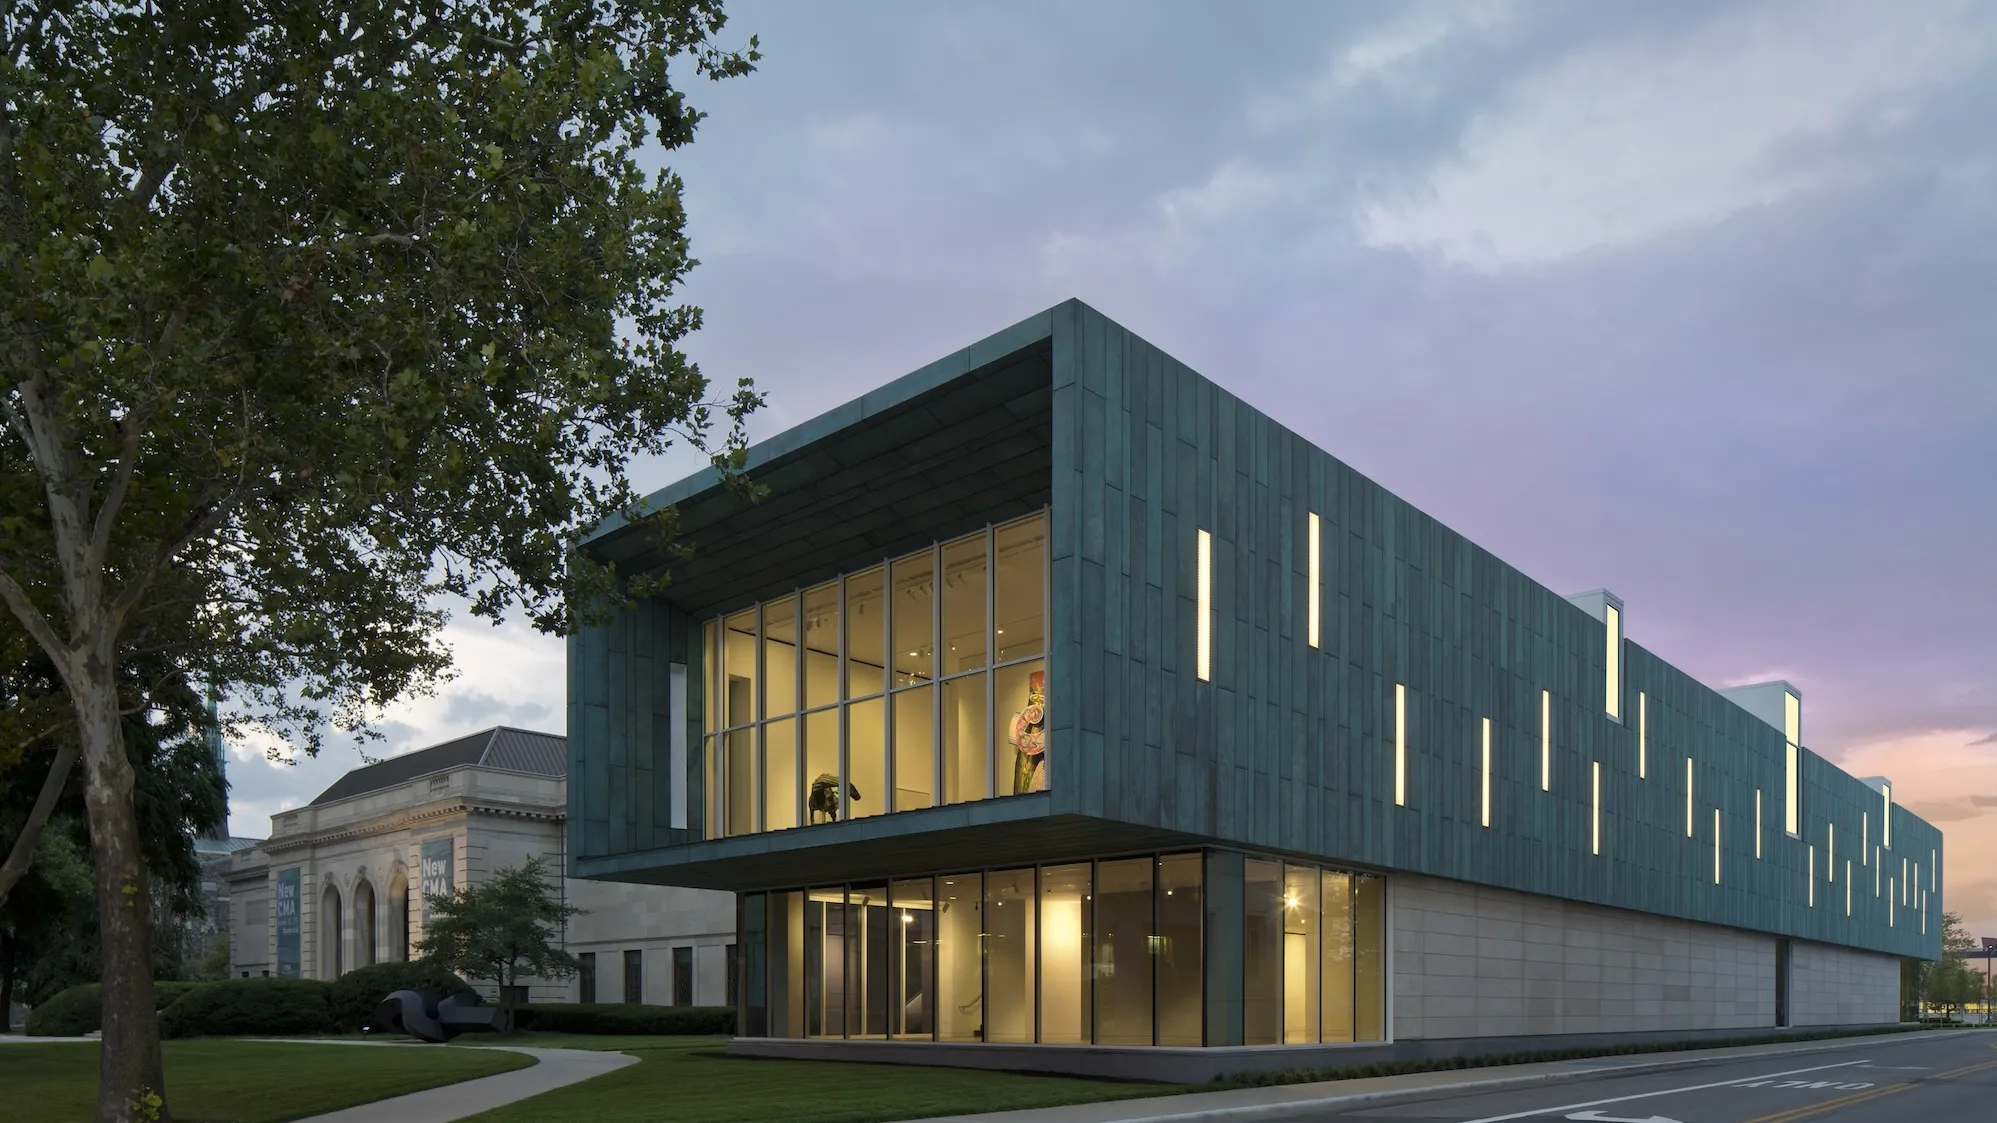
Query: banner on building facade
point(437, 867)
point(287, 923)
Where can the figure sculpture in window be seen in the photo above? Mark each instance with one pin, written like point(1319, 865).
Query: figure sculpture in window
point(1029, 738)
point(824, 797)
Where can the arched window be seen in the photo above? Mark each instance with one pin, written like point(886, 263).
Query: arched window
point(364, 929)
point(331, 963)
point(398, 915)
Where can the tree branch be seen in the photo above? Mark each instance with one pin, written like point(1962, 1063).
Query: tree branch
point(107, 511)
point(23, 854)
point(36, 624)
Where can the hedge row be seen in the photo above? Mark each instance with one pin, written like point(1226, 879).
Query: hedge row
point(260, 1007)
point(279, 1007)
point(616, 1017)
point(80, 1009)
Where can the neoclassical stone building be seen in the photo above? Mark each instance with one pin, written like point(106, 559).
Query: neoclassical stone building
point(341, 882)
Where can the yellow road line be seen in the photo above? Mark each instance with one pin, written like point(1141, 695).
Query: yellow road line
point(1806, 1111)
point(1790, 1115)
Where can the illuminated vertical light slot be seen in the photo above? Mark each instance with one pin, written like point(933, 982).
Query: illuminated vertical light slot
point(1613, 689)
point(1903, 880)
point(1546, 740)
point(1886, 824)
point(1864, 836)
point(1716, 846)
point(1812, 879)
point(1688, 797)
point(1757, 824)
point(1595, 814)
point(1847, 886)
point(1204, 659)
point(1877, 865)
point(1487, 772)
point(1889, 902)
point(1934, 863)
point(1831, 852)
point(1642, 735)
point(1792, 730)
point(1312, 595)
point(1400, 745)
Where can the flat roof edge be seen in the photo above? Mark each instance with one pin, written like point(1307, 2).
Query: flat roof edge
point(1026, 333)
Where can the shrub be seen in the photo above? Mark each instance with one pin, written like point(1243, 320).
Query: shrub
point(355, 995)
point(618, 1017)
point(263, 1007)
point(80, 1009)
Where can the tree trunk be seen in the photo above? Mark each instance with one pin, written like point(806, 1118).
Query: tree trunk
point(22, 857)
point(8, 951)
point(131, 1083)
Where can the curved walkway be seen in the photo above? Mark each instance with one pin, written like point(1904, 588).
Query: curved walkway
point(554, 1068)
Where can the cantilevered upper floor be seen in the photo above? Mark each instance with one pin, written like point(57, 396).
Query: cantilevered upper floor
point(1057, 595)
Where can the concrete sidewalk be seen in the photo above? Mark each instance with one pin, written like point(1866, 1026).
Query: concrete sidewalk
point(1249, 1104)
point(554, 1068)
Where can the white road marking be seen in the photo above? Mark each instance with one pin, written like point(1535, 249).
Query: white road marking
point(1598, 1117)
point(1650, 1095)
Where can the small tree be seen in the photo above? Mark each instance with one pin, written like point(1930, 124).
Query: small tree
point(507, 926)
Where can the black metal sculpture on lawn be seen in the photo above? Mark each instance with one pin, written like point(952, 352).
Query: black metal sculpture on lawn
point(429, 1015)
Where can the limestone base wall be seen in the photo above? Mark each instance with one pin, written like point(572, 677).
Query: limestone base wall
point(1474, 961)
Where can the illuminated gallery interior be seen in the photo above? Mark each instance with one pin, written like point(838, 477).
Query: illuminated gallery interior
point(1052, 708)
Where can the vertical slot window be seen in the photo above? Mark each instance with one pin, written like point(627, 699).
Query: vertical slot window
point(1613, 688)
point(1595, 806)
point(1203, 655)
point(1716, 846)
point(1311, 591)
point(1831, 852)
point(1485, 774)
point(1642, 735)
point(1400, 745)
point(1847, 886)
point(1886, 816)
point(1546, 740)
point(1757, 824)
point(1792, 792)
point(1792, 815)
point(1812, 876)
point(1688, 797)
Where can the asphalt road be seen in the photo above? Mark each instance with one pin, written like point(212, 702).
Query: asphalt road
point(1935, 1077)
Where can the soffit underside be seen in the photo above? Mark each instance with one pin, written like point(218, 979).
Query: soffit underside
point(973, 450)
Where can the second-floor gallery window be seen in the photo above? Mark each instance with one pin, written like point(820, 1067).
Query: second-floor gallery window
point(913, 683)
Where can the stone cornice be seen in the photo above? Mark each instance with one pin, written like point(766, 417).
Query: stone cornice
point(409, 819)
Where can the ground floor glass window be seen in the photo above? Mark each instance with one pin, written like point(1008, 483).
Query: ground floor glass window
point(1118, 951)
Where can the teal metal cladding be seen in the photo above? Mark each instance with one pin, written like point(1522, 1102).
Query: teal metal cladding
point(1289, 748)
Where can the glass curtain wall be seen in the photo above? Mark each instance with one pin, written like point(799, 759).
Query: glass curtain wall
point(1108, 952)
point(914, 683)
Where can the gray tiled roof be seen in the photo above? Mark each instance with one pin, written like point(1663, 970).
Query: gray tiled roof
point(501, 747)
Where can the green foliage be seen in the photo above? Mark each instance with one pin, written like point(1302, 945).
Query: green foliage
point(355, 995)
point(335, 309)
point(80, 1009)
point(505, 927)
point(260, 1007)
point(616, 1017)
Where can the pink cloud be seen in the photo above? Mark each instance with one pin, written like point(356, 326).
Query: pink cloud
point(1949, 778)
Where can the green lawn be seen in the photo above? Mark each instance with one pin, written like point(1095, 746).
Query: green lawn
point(224, 1081)
point(681, 1080)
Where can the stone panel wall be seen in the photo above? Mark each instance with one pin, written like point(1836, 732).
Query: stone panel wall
point(1472, 961)
point(1841, 986)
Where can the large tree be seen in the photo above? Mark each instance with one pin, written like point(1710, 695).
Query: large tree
point(507, 927)
point(311, 314)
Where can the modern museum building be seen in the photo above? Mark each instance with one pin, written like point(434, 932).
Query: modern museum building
point(1052, 708)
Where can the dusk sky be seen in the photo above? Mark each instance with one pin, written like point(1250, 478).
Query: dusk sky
point(1694, 301)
